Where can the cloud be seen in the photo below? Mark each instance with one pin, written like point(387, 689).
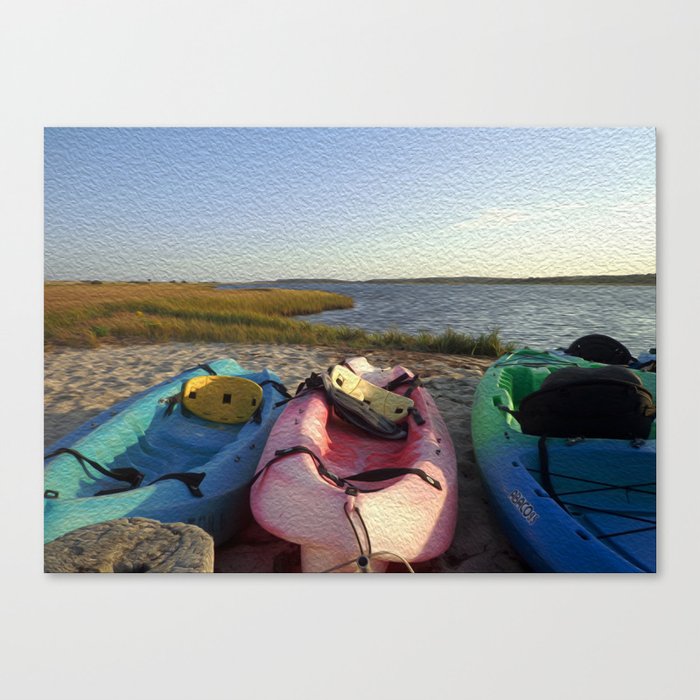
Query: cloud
point(492, 218)
point(636, 206)
point(507, 216)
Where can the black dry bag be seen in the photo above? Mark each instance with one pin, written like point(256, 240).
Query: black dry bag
point(592, 402)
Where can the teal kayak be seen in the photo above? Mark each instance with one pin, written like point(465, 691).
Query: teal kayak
point(566, 504)
point(150, 457)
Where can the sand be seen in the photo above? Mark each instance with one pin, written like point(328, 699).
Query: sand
point(79, 384)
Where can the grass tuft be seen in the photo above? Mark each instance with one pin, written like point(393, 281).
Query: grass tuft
point(85, 315)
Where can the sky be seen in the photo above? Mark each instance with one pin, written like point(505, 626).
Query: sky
point(247, 204)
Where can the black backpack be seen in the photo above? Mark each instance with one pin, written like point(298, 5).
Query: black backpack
point(592, 402)
point(600, 348)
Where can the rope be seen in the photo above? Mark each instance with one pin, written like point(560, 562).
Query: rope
point(339, 566)
point(376, 555)
point(567, 506)
point(398, 557)
point(354, 530)
point(605, 484)
point(626, 532)
point(368, 555)
point(605, 511)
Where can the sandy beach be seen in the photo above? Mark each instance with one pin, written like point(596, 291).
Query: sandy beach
point(80, 383)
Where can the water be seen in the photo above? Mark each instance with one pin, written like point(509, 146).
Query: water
point(541, 316)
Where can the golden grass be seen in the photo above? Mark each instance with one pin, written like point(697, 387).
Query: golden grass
point(86, 315)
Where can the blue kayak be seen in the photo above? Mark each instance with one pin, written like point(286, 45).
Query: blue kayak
point(566, 504)
point(149, 456)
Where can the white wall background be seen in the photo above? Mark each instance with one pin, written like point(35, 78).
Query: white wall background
point(511, 63)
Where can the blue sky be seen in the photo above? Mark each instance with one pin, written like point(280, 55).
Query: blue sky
point(239, 204)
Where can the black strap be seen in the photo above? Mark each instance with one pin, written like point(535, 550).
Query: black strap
point(311, 383)
point(415, 414)
point(191, 479)
point(401, 379)
point(415, 383)
point(279, 454)
point(257, 416)
point(109, 492)
point(205, 367)
point(386, 473)
point(404, 378)
point(172, 401)
point(544, 471)
point(132, 476)
point(281, 388)
point(371, 476)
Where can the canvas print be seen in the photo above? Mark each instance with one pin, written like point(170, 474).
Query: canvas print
point(351, 350)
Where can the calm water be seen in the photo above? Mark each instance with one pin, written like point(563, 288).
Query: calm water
point(541, 316)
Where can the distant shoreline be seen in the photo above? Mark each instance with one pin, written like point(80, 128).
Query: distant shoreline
point(646, 280)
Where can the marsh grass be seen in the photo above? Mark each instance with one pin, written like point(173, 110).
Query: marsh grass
point(86, 315)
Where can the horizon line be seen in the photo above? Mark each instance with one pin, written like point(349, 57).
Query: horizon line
point(368, 280)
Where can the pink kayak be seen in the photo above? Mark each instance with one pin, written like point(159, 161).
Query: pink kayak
point(353, 501)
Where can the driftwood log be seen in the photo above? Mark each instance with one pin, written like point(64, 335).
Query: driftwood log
point(131, 545)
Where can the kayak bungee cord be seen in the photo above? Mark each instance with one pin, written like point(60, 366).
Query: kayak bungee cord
point(354, 529)
point(568, 506)
point(364, 560)
point(365, 570)
point(604, 486)
point(373, 475)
